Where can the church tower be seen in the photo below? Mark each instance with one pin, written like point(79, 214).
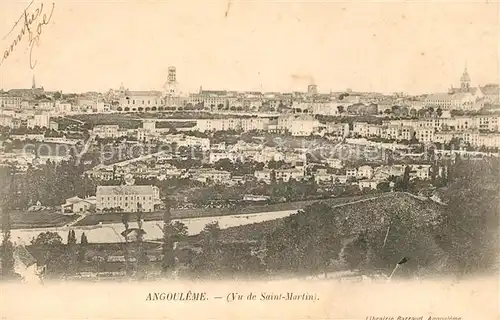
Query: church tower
point(171, 84)
point(465, 81)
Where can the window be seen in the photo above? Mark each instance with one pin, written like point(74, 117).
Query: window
point(125, 198)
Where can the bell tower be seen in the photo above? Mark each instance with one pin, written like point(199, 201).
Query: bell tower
point(465, 80)
point(171, 84)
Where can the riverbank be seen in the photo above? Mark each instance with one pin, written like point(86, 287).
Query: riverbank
point(53, 219)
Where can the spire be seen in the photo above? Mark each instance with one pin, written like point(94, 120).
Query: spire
point(33, 83)
point(465, 79)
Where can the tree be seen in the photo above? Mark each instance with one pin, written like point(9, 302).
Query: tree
point(47, 238)
point(208, 262)
point(83, 248)
point(439, 112)
point(470, 225)
point(7, 249)
point(355, 252)
point(125, 220)
point(168, 246)
point(383, 187)
point(305, 241)
point(340, 109)
point(179, 231)
point(83, 239)
point(403, 184)
point(71, 237)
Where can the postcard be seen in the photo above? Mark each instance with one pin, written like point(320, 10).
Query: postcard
point(249, 159)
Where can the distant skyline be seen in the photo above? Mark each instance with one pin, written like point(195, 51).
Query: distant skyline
point(258, 46)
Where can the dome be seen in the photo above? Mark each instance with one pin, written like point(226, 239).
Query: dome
point(465, 76)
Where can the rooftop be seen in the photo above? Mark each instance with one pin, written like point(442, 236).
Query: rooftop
point(124, 189)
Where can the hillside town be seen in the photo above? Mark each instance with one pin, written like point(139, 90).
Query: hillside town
point(96, 159)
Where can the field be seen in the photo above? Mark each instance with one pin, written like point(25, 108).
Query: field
point(38, 219)
point(194, 213)
point(123, 120)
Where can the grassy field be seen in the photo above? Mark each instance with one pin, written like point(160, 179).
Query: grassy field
point(123, 120)
point(38, 219)
point(194, 213)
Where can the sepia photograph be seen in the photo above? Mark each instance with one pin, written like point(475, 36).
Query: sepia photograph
point(249, 159)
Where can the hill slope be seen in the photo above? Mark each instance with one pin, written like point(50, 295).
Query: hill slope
point(367, 234)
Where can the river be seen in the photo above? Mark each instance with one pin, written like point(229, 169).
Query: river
point(108, 233)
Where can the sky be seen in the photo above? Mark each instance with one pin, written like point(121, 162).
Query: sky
point(96, 45)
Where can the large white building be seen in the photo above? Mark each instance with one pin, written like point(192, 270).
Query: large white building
point(10, 102)
point(130, 198)
point(298, 125)
point(187, 141)
point(463, 98)
point(210, 175)
point(140, 100)
point(38, 119)
point(245, 124)
point(107, 131)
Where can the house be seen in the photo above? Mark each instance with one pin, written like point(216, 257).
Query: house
point(353, 172)
point(421, 172)
point(77, 205)
point(368, 184)
point(286, 175)
point(322, 176)
point(130, 198)
point(211, 176)
point(365, 172)
point(334, 163)
point(216, 156)
point(107, 131)
point(263, 175)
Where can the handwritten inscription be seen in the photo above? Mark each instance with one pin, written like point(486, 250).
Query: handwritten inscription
point(31, 23)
